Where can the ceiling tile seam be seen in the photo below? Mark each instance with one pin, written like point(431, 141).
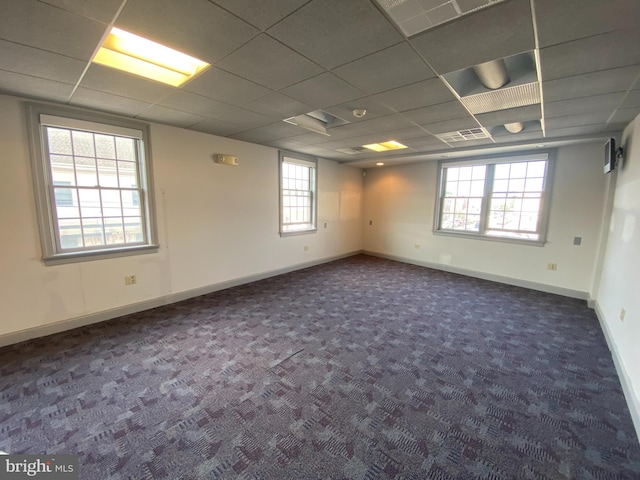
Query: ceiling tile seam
point(36, 77)
point(624, 97)
point(536, 53)
point(95, 50)
point(261, 30)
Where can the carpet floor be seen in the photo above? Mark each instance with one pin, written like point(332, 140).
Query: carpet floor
point(362, 368)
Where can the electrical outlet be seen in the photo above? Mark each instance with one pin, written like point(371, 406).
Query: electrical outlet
point(623, 312)
point(370, 222)
point(416, 245)
point(552, 266)
point(130, 280)
point(306, 248)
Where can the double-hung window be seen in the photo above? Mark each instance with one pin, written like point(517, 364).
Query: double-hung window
point(92, 184)
point(298, 177)
point(506, 198)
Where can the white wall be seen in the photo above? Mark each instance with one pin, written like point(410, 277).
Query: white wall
point(400, 201)
point(620, 278)
point(217, 225)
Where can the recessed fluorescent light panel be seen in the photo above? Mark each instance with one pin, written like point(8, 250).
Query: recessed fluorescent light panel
point(137, 55)
point(415, 16)
point(384, 146)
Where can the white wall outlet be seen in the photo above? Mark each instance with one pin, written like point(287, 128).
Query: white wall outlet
point(416, 245)
point(623, 312)
point(130, 280)
point(552, 266)
point(306, 248)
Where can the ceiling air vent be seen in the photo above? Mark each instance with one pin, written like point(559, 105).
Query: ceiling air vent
point(317, 121)
point(510, 97)
point(352, 150)
point(464, 135)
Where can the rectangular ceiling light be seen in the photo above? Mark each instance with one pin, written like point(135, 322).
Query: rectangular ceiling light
point(131, 53)
point(384, 146)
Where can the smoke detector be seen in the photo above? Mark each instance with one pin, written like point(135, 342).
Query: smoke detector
point(359, 112)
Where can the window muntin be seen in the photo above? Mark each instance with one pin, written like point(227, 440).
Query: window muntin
point(92, 184)
point(495, 198)
point(297, 195)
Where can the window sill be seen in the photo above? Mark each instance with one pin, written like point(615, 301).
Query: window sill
point(298, 232)
point(86, 256)
point(490, 238)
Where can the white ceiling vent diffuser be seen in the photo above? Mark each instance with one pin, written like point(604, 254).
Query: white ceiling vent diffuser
point(464, 135)
point(508, 97)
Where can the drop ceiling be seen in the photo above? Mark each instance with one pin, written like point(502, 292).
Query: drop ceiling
point(276, 59)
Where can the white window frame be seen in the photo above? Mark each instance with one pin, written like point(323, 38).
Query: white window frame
point(41, 116)
point(490, 162)
point(287, 229)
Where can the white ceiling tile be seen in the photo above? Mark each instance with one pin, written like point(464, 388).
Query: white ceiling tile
point(226, 87)
point(567, 20)
point(107, 102)
point(478, 37)
point(323, 91)
point(156, 113)
point(40, 63)
point(592, 54)
point(33, 87)
point(577, 106)
point(102, 10)
point(33, 23)
point(390, 68)
point(262, 13)
point(269, 63)
point(594, 83)
point(334, 32)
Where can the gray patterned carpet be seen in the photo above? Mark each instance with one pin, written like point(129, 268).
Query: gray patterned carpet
point(362, 369)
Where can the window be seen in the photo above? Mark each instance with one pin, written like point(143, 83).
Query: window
point(92, 185)
point(297, 194)
point(502, 197)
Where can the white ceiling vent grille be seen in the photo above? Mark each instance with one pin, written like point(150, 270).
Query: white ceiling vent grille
point(464, 135)
point(352, 150)
point(509, 97)
point(415, 16)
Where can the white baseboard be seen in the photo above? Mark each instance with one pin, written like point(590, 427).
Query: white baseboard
point(633, 402)
point(567, 292)
point(81, 321)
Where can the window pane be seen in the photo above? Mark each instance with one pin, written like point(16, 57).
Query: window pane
point(90, 203)
point(105, 146)
point(536, 169)
point(86, 171)
point(501, 170)
point(465, 173)
point(83, 144)
point(534, 185)
point(92, 232)
point(125, 148)
point(108, 173)
point(111, 206)
point(452, 174)
point(128, 174)
point(59, 140)
point(518, 170)
point(477, 188)
point(114, 230)
point(133, 230)
point(66, 202)
point(70, 233)
point(62, 169)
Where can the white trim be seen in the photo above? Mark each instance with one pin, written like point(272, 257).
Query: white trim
point(531, 157)
point(516, 282)
point(81, 321)
point(76, 124)
point(633, 401)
